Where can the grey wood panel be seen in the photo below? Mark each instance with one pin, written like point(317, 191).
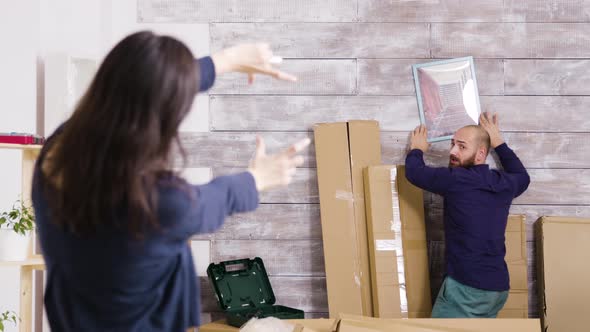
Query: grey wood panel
point(430, 11)
point(281, 258)
point(329, 40)
point(551, 187)
point(434, 219)
point(536, 150)
point(474, 11)
point(204, 11)
point(547, 77)
point(303, 189)
point(237, 148)
point(547, 11)
point(511, 40)
point(315, 77)
point(305, 293)
point(394, 113)
point(300, 113)
point(548, 187)
point(557, 186)
point(394, 77)
point(272, 222)
point(539, 113)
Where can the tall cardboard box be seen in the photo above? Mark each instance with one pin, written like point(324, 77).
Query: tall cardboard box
point(563, 271)
point(342, 151)
point(517, 305)
point(397, 244)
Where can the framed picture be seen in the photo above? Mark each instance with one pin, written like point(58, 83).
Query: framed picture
point(447, 95)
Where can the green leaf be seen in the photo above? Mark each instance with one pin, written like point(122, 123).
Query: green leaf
point(2, 221)
point(1, 326)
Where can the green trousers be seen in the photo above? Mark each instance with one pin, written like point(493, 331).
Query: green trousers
point(456, 300)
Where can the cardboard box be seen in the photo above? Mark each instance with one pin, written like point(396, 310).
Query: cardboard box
point(350, 323)
point(342, 151)
point(563, 271)
point(397, 243)
point(299, 325)
point(517, 305)
point(367, 324)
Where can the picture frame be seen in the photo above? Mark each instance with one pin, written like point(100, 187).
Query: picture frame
point(447, 95)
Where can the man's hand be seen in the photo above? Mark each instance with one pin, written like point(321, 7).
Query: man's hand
point(419, 139)
point(489, 122)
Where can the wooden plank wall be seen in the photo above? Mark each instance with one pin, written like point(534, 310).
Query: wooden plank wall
point(353, 60)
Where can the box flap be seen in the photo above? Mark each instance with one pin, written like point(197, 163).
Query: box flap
point(241, 284)
point(341, 259)
point(365, 150)
point(313, 325)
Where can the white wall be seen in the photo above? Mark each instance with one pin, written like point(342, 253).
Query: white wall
point(70, 38)
point(19, 33)
point(124, 21)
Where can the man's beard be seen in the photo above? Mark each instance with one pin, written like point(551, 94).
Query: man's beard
point(465, 163)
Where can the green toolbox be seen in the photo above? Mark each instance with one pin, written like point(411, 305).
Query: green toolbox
point(243, 291)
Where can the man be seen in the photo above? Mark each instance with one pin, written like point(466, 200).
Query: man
point(476, 204)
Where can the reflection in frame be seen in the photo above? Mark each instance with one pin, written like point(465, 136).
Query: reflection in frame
point(447, 96)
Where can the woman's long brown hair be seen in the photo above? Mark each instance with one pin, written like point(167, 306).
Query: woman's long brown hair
point(107, 160)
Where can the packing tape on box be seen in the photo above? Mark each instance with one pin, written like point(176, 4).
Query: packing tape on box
point(391, 245)
point(396, 227)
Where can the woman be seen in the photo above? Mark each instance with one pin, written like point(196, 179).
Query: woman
point(113, 219)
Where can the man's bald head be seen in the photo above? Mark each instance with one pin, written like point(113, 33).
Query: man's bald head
point(469, 146)
point(481, 138)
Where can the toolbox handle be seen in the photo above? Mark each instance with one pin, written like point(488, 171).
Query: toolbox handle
point(236, 267)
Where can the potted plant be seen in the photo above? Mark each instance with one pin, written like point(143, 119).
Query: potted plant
point(6, 317)
point(15, 228)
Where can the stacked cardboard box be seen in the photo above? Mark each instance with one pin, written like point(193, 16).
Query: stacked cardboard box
point(563, 273)
point(342, 151)
point(517, 305)
point(397, 242)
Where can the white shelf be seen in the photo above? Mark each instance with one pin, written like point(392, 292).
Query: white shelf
point(39, 262)
point(21, 146)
